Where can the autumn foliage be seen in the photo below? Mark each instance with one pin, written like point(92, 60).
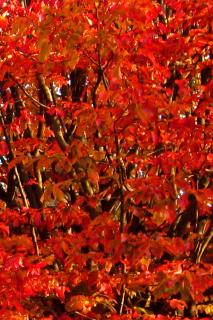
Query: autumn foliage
point(106, 159)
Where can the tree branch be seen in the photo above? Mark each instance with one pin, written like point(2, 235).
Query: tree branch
point(35, 102)
point(54, 122)
point(20, 186)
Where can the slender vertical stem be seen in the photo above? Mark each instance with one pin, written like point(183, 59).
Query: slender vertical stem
point(202, 247)
point(35, 241)
point(20, 186)
point(122, 299)
point(21, 189)
point(122, 175)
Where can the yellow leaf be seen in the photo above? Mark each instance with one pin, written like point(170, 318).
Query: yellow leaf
point(72, 60)
point(58, 194)
point(99, 155)
point(77, 303)
point(45, 48)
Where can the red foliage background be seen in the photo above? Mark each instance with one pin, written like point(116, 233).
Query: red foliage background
point(105, 159)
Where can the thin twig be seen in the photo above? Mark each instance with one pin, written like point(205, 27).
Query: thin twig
point(123, 292)
point(54, 121)
point(36, 102)
point(20, 186)
point(35, 242)
point(105, 82)
point(121, 181)
point(21, 189)
point(122, 175)
point(84, 316)
point(203, 247)
point(90, 58)
point(101, 77)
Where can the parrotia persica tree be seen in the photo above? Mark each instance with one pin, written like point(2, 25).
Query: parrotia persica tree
point(105, 159)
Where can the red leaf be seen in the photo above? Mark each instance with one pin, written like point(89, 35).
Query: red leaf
point(3, 148)
point(4, 229)
point(14, 262)
point(177, 304)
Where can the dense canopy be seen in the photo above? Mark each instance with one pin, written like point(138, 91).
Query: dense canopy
point(106, 159)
